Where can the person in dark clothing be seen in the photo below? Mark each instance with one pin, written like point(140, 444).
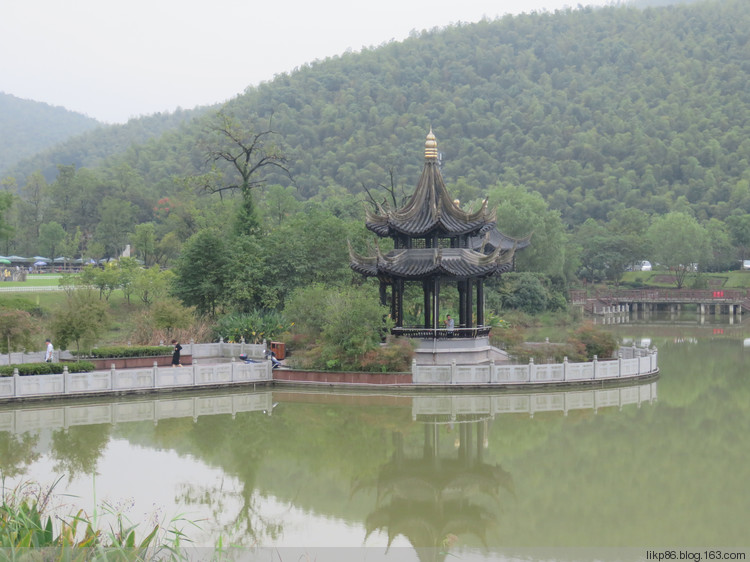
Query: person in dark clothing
point(176, 354)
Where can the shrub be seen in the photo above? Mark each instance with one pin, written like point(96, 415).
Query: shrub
point(254, 326)
point(28, 369)
point(394, 357)
point(590, 341)
point(126, 351)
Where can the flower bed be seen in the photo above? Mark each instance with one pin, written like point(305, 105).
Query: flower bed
point(127, 357)
point(137, 362)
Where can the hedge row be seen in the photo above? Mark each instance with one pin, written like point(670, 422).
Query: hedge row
point(26, 369)
point(114, 352)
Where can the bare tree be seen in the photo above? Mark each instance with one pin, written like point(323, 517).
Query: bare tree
point(394, 194)
point(246, 152)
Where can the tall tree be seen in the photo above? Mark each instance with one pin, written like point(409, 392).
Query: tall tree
point(115, 226)
point(6, 230)
point(51, 239)
point(680, 243)
point(239, 154)
point(203, 271)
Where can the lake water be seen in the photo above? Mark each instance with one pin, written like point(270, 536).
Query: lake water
point(290, 475)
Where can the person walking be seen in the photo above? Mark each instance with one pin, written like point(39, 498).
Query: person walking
point(176, 354)
point(50, 351)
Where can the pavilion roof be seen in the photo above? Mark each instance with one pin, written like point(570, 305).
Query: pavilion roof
point(430, 208)
point(419, 263)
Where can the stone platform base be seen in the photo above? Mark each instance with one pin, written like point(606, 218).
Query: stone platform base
point(475, 351)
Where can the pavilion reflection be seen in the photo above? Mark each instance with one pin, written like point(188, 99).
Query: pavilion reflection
point(444, 489)
point(442, 486)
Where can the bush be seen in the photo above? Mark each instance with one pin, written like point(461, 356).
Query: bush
point(394, 357)
point(254, 326)
point(590, 341)
point(28, 369)
point(112, 352)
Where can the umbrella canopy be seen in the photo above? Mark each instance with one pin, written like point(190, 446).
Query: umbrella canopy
point(4, 261)
point(40, 262)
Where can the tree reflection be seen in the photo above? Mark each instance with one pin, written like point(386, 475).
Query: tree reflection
point(238, 445)
point(433, 495)
point(77, 449)
point(17, 452)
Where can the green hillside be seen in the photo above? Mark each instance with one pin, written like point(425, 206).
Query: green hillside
point(596, 110)
point(28, 127)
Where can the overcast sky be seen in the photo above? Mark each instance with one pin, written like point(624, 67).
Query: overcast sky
point(115, 60)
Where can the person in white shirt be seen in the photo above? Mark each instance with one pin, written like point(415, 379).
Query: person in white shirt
point(50, 352)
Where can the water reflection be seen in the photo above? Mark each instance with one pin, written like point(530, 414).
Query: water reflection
point(433, 495)
point(283, 468)
point(686, 315)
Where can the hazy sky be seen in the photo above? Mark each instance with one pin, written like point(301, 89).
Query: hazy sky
point(115, 60)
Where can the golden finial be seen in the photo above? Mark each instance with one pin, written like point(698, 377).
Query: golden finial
point(430, 146)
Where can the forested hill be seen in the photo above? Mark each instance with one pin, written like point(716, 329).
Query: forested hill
point(594, 108)
point(28, 127)
point(92, 148)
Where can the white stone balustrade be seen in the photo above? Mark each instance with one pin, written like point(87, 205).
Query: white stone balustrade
point(133, 380)
point(632, 363)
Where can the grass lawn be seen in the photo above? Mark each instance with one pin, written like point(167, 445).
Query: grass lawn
point(725, 279)
point(122, 314)
point(34, 281)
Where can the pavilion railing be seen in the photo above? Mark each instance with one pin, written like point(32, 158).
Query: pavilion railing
point(441, 333)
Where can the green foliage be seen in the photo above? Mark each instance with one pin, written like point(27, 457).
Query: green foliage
point(152, 284)
point(24, 525)
point(528, 292)
point(169, 314)
point(115, 351)
point(203, 271)
point(350, 326)
point(606, 251)
point(17, 330)
point(254, 326)
point(81, 319)
point(679, 242)
point(589, 341)
point(629, 119)
point(25, 369)
point(520, 213)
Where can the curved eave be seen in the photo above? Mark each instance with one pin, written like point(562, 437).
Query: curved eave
point(460, 263)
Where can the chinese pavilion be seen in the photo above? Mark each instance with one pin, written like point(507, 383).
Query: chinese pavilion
point(436, 244)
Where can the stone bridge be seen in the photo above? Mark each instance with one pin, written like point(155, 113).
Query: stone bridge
point(707, 301)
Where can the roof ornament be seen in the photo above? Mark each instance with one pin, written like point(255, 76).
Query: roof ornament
point(430, 146)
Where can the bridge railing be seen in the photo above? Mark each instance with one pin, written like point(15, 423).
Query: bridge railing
point(672, 295)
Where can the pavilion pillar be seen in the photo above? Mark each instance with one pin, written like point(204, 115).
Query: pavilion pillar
point(399, 316)
point(383, 293)
point(394, 299)
point(436, 304)
point(480, 303)
point(427, 289)
point(469, 323)
point(461, 302)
